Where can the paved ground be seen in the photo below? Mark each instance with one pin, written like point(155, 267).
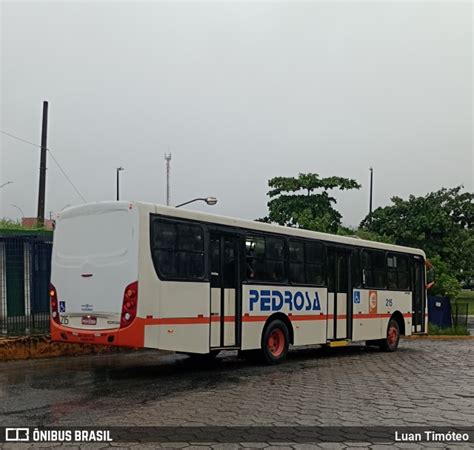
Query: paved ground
point(426, 383)
point(470, 324)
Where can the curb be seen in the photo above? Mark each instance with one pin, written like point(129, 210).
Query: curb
point(437, 337)
point(40, 346)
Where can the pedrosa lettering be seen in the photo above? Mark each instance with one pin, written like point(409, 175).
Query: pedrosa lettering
point(267, 300)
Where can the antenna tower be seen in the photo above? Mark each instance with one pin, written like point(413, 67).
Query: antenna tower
point(168, 161)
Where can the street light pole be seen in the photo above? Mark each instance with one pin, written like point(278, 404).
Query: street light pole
point(371, 190)
point(119, 169)
point(209, 200)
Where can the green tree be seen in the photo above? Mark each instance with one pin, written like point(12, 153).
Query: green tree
point(365, 234)
point(441, 223)
point(445, 284)
point(296, 202)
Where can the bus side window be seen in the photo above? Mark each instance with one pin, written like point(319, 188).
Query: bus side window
point(214, 261)
point(265, 258)
point(392, 282)
point(403, 274)
point(178, 250)
point(367, 272)
point(274, 259)
point(314, 253)
point(255, 257)
point(358, 275)
point(296, 262)
point(373, 267)
point(398, 274)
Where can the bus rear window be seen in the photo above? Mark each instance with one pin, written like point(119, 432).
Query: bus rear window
point(94, 236)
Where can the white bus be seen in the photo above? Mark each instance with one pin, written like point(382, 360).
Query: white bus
point(141, 275)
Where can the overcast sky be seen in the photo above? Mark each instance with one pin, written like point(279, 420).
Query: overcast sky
point(238, 93)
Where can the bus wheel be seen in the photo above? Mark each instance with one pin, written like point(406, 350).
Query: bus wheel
point(275, 342)
point(390, 343)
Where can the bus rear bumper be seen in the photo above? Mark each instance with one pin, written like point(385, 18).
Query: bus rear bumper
point(131, 336)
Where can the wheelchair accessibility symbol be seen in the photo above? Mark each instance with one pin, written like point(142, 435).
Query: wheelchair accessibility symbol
point(356, 296)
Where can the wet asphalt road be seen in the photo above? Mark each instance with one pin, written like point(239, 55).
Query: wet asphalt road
point(426, 382)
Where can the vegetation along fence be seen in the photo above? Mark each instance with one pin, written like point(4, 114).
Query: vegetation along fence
point(25, 267)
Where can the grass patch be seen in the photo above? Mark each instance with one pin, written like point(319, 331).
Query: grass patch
point(465, 297)
point(459, 330)
point(7, 224)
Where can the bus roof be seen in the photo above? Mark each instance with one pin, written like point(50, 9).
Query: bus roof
point(271, 228)
point(239, 223)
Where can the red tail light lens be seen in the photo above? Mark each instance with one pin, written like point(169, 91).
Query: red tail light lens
point(53, 297)
point(129, 305)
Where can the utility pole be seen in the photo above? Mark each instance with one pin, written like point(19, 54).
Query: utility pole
point(168, 161)
point(42, 177)
point(371, 190)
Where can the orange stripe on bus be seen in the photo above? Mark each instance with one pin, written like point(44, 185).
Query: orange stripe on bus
point(226, 318)
point(177, 321)
point(247, 318)
point(308, 317)
point(376, 316)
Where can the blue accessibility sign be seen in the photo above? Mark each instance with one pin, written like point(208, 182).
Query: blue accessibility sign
point(356, 296)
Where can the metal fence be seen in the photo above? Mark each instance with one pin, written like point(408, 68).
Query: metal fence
point(25, 268)
point(460, 314)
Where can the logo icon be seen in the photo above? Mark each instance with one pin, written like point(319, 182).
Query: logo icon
point(266, 300)
point(372, 302)
point(17, 434)
point(62, 306)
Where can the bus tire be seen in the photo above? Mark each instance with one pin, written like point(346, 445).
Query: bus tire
point(275, 342)
point(390, 343)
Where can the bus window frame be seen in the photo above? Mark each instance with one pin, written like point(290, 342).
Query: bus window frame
point(305, 262)
point(157, 217)
point(364, 269)
point(251, 234)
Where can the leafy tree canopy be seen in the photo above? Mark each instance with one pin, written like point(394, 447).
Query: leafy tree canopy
point(441, 223)
point(294, 202)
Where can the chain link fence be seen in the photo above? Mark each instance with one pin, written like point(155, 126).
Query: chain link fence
point(25, 268)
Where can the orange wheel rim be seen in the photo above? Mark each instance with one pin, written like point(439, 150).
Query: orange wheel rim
point(392, 335)
point(276, 342)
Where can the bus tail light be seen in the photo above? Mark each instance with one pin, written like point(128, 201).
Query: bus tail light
point(53, 297)
point(129, 306)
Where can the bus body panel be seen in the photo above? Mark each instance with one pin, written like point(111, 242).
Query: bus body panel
point(92, 268)
point(182, 323)
point(371, 321)
point(305, 307)
point(176, 313)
